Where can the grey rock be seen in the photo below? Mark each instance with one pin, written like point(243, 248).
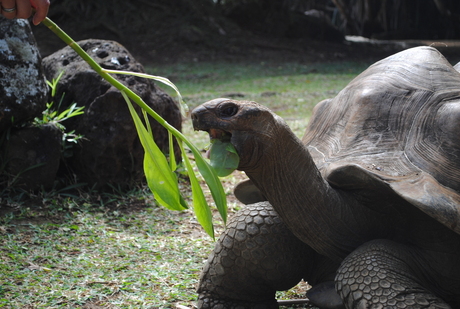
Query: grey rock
point(23, 88)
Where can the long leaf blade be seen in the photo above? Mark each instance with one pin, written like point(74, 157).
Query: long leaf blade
point(172, 156)
point(200, 206)
point(212, 180)
point(160, 79)
point(160, 179)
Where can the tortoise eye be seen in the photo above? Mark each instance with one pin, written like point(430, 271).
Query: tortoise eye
point(228, 110)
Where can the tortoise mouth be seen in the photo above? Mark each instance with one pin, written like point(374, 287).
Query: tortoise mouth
point(219, 134)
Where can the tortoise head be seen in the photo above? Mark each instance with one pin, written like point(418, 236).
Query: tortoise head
point(249, 126)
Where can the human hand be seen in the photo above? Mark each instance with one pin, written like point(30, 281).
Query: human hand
point(24, 9)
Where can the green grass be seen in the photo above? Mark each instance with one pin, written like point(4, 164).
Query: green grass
point(130, 255)
point(121, 250)
point(290, 89)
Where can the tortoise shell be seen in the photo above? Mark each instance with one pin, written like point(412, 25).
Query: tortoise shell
point(396, 125)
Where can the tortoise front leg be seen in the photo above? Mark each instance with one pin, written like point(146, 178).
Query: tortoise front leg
point(255, 257)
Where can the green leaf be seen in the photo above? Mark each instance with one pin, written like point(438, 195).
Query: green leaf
point(208, 173)
point(212, 180)
point(160, 79)
point(200, 206)
point(223, 157)
point(172, 156)
point(53, 84)
point(160, 179)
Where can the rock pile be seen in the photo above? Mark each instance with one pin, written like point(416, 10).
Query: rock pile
point(110, 152)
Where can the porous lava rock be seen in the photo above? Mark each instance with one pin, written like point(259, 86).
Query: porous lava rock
point(23, 90)
point(110, 152)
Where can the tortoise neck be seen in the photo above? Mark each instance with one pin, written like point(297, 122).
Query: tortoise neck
point(315, 212)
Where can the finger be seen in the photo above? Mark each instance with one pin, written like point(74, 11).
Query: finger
point(8, 8)
point(41, 7)
point(23, 9)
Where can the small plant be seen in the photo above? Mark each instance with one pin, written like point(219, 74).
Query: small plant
point(52, 115)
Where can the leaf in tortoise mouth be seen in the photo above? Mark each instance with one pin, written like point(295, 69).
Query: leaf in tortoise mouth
point(223, 157)
point(219, 134)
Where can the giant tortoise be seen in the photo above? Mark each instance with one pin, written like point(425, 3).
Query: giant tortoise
point(367, 202)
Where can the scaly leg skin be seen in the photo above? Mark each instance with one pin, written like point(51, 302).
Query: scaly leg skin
point(255, 257)
point(379, 275)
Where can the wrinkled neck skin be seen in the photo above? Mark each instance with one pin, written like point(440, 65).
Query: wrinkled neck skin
point(315, 212)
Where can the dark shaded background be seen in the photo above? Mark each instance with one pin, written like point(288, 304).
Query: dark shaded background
point(174, 30)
